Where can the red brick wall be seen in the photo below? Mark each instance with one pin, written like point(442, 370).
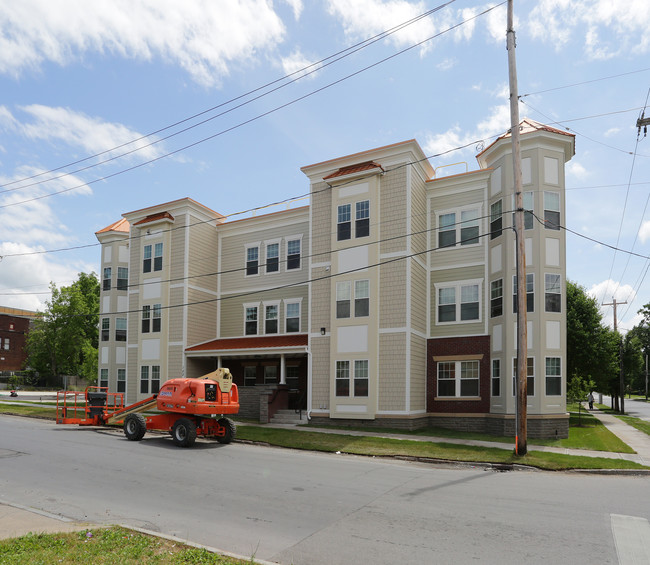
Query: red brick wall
point(459, 346)
point(14, 329)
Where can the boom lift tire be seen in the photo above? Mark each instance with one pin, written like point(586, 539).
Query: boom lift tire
point(184, 432)
point(134, 427)
point(231, 430)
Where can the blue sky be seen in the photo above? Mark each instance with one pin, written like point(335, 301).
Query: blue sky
point(80, 78)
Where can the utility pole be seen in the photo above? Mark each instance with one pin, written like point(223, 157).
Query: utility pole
point(521, 439)
point(621, 379)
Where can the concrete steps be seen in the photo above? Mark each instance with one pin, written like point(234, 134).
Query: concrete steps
point(289, 417)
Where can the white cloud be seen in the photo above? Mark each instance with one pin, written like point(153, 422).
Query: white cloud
point(297, 7)
point(575, 170)
point(608, 28)
point(604, 293)
point(644, 232)
point(297, 62)
point(203, 37)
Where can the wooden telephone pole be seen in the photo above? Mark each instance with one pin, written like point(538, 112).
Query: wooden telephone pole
point(521, 441)
point(621, 378)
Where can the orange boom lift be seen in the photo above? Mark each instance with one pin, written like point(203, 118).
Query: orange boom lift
point(186, 408)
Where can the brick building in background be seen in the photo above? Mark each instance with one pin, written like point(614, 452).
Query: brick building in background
point(14, 327)
point(388, 301)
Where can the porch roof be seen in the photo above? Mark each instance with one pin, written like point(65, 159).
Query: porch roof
point(254, 344)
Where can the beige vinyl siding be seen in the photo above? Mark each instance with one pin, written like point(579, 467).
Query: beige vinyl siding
point(393, 212)
point(418, 372)
point(392, 372)
point(176, 238)
point(320, 355)
point(452, 276)
point(201, 317)
point(419, 240)
point(321, 301)
point(392, 300)
point(132, 375)
point(133, 319)
point(174, 368)
point(418, 297)
point(202, 255)
point(175, 314)
point(322, 224)
point(232, 309)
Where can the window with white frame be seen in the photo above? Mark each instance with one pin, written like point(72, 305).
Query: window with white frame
point(106, 329)
point(352, 378)
point(459, 302)
point(553, 376)
point(271, 319)
point(250, 320)
point(362, 223)
point(458, 226)
point(361, 298)
point(122, 278)
point(344, 222)
point(121, 380)
point(106, 283)
point(551, 210)
point(292, 317)
point(158, 257)
point(458, 379)
point(528, 202)
point(530, 293)
point(252, 260)
point(146, 259)
point(496, 298)
point(496, 219)
point(272, 257)
point(496, 377)
point(151, 323)
point(343, 299)
point(530, 376)
point(103, 378)
point(146, 319)
point(552, 295)
point(157, 318)
point(120, 329)
point(7, 344)
point(155, 379)
point(293, 254)
point(144, 379)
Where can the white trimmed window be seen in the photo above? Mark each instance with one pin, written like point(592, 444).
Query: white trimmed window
point(158, 257)
point(106, 329)
point(343, 299)
point(496, 219)
point(496, 298)
point(362, 223)
point(250, 320)
point(355, 373)
point(122, 278)
point(553, 376)
point(272, 257)
point(155, 379)
point(361, 298)
point(530, 293)
point(144, 379)
point(530, 374)
point(459, 302)
point(121, 380)
point(458, 379)
point(552, 210)
point(344, 222)
point(106, 283)
point(292, 317)
point(271, 319)
point(146, 259)
point(458, 227)
point(252, 260)
point(552, 293)
point(293, 254)
point(103, 378)
point(120, 329)
point(528, 199)
point(496, 377)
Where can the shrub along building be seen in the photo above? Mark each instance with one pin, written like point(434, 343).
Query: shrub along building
point(389, 300)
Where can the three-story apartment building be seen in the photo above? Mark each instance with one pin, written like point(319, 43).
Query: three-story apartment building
point(388, 300)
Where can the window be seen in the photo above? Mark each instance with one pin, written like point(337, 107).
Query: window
point(293, 254)
point(361, 378)
point(496, 298)
point(449, 385)
point(496, 377)
point(146, 319)
point(271, 319)
point(469, 227)
point(465, 231)
point(144, 380)
point(252, 260)
point(103, 378)
point(528, 200)
point(361, 298)
point(107, 279)
point(496, 219)
point(447, 230)
point(7, 344)
point(157, 317)
point(342, 378)
point(292, 317)
point(120, 329)
point(530, 374)
point(362, 224)
point(467, 309)
point(552, 296)
point(272, 257)
point(553, 376)
point(122, 278)
point(146, 259)
point(270, 374)
point(155, 379)
point(293, 376)
point(530, 293)
point(158, 257)
point(106, 329)
point(344, 225)
point(552, 210)
point(250, 375)
point(121, 380)
point(343, 299)
point(251, 320)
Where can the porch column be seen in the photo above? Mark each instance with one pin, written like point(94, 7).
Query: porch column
point(283, 370)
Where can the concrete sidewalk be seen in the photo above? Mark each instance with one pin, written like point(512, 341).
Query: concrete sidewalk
point(16, 521)
point(637, 440)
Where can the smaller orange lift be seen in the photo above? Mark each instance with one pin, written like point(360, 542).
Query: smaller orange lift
point(186, 408)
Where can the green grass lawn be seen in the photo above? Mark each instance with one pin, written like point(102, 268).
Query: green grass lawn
point(105, 546)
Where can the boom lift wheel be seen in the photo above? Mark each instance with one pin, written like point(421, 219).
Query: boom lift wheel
point(184, 432)
point(231, 430)
point(135, 427)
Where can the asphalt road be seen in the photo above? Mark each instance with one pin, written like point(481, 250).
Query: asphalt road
point(636, 408)
point(305, 508)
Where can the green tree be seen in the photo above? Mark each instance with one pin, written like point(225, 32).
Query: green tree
point(64, 339)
